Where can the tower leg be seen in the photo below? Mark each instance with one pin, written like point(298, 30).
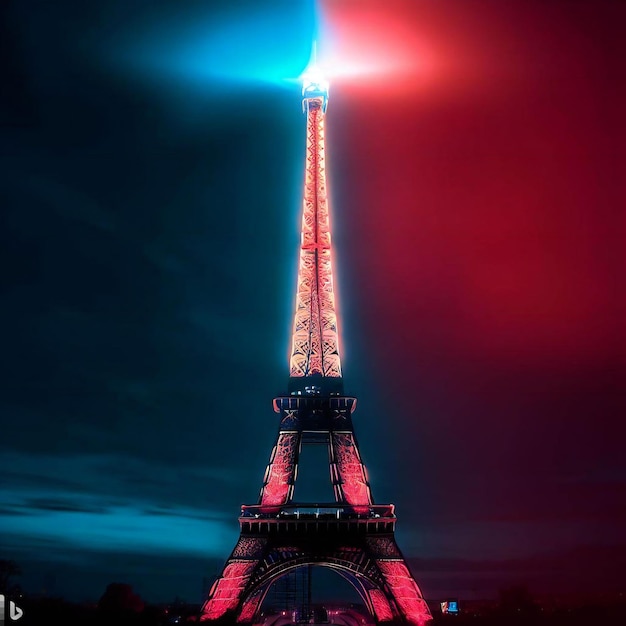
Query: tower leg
point(399, 586)
point(405, 592)
point(280, 473)
point(348, 473)
point(227, 594)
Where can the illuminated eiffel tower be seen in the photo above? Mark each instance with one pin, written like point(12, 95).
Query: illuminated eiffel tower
point(353, 536)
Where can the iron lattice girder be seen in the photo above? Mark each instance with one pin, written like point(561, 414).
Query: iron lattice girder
point(347, 471)
point(315, 344)
point(302, 416)
point(279, 480)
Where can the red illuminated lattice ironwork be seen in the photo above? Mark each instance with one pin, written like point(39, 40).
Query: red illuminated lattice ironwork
point(380, 605)
point(405, 591)
point(383, 547)
point(347, 470)
point(226, 592)
point(315, 344)
point(280, 473)
point(249, 548)
point(250, 607)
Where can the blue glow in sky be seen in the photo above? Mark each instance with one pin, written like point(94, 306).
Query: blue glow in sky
point(124, 527)
point(72, 512)
point(232, 46)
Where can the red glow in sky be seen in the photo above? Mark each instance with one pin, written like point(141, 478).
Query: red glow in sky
point(479, 182)
point(377, 51)
point(489, 143)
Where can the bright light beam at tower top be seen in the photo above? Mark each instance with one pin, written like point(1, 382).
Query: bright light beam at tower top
point(365, 47)
point(314, 84)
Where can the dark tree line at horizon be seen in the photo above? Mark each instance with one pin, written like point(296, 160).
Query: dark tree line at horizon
point(119, 605)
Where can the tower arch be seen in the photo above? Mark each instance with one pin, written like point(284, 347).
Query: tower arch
point(363, 581)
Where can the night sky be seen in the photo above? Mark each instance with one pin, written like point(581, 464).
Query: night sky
point(151, 162)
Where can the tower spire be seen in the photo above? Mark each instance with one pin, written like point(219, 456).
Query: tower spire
point(315, 364)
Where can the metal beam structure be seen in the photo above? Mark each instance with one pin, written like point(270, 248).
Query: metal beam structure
point(315, 343)
point(352, 536)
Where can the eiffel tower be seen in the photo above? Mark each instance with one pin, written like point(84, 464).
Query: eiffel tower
point(352, 536)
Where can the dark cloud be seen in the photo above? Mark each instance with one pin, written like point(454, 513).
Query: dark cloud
point(53, 504)
point(15, 511)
